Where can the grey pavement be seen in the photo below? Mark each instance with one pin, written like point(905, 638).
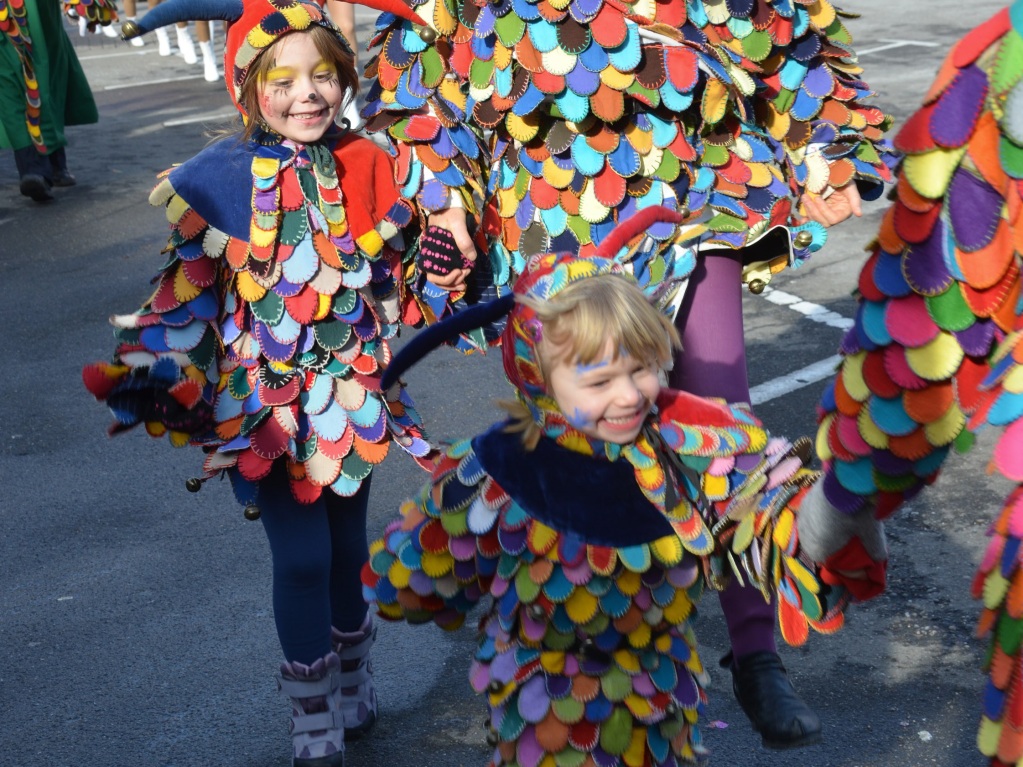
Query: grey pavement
point(135, 621)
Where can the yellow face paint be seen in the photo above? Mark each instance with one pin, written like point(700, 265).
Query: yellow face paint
point(281, 73)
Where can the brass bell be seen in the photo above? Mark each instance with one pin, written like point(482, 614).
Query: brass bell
point(251, 512)
point(494, 687)
point(803, 239)
point(536, 611)
point(130, 29)
point(193, 484)
point(684, 212)
point(756, 287)
point(671, 710)
point(427, 34)
point(492, 739)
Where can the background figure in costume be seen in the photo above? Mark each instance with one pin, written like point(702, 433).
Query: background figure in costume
point(937, 349)
point(547, 125)
point(595, 517)
point(42, 89)
point(265, 339)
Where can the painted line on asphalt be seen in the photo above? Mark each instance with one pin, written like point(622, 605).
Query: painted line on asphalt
point(99, 56)
point(889, 44)
point(207, 117)
point(145, 83)
point(811, 374)
point(811, 311)
point(786, 384)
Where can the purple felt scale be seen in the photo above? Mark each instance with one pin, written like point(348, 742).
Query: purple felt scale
point(533, 702)
point(955, 114)
point(924, 264)
point(974, 208)
point(977, 339)
point(888, 463)
point(844, 500)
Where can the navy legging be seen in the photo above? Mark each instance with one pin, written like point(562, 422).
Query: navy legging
point(318, 551)
point(713, 364)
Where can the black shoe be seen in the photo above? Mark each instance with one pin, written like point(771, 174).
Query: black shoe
point(36, 187)
point(63, 178)
point(771, 702)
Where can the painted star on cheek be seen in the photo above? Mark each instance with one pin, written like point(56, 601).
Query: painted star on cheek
point(579, 419)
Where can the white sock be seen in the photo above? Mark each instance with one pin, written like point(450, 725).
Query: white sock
point(81, 26)
point(209, 62)
point(138, 42)
point(186, 46)
point(163, 41)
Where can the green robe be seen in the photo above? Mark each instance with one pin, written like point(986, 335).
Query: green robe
point(64, 91)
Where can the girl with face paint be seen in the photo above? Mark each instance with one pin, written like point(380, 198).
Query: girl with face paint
point(267, 336)
point(595, 517)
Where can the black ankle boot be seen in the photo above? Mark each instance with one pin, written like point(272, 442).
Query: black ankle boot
point(771, 702)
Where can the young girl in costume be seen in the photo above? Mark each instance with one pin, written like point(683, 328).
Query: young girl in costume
point(595, 517)
point(545, 124)
point(264, 340)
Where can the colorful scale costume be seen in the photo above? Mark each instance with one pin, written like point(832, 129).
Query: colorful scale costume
point(595, 554)
point(269, 326)
point(95, 12)
point(594, 109)
point(937, 349)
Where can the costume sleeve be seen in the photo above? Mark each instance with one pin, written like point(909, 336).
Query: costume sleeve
point(439, 559)
point(936, 347)
point(745, 489)
point(797, 61)
point(419, 97)
point(102, 12)
point(164, 371)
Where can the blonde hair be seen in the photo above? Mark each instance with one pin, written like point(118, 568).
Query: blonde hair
point(580, 321)
point(330, 48)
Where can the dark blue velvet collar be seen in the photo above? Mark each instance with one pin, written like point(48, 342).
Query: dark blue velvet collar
point(598, 500)
point(217, 182)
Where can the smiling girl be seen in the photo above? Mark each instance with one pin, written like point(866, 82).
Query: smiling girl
point(595, 517)
point(267, 334)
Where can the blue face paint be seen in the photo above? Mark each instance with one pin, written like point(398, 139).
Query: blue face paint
point(585, 368)
point(577, 419)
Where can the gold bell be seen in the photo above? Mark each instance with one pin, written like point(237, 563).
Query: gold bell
point(756, 287)
point(193, 484)
point(684, 212)
point(251, 512)
point(130, 29)
point(803, 239)
point(427, 34)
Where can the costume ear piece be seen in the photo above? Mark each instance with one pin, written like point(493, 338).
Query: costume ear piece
point(634, 226)
point(173, 11)
point(428, 339)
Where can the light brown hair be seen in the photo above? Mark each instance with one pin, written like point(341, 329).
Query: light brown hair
point(330, 48)
point(578, 324)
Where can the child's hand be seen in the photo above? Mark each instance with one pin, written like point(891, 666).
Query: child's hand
point(453, 220)
point(835, 207)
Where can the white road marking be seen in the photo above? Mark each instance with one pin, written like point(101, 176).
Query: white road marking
point(143, 84)
point(115, 55)
point(811, 374)
point(889, 44)
point(786, 384)
point(207, 117)
point(811, 311)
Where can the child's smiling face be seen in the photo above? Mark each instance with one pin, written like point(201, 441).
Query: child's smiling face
point(607, 399)
point(301, 95)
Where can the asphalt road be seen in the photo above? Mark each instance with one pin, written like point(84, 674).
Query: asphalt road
point(135, 624)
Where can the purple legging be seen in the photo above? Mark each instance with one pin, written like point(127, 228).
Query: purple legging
point(713, 364)
point(318, 552)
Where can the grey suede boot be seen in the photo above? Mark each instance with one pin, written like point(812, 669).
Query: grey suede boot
point(358, 696)
point(317, 727)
